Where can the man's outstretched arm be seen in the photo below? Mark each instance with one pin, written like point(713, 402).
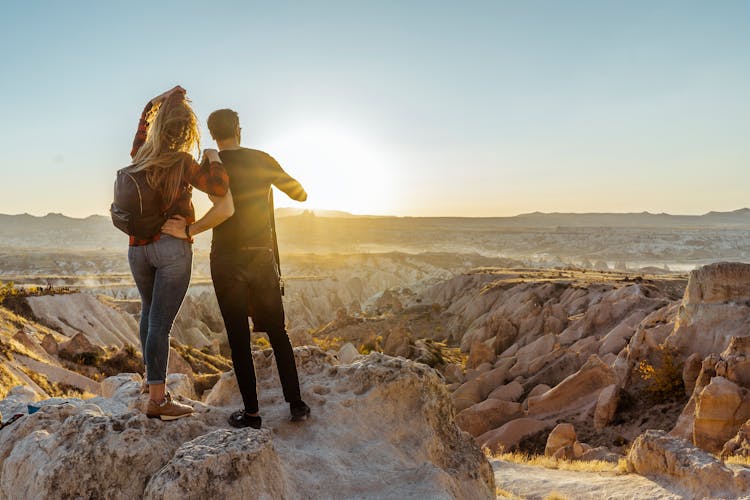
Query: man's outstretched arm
point(286, 183)
point(291, 187)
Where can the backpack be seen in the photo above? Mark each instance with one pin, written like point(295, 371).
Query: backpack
point(136, 209)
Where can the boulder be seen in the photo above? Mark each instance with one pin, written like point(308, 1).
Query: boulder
point(110, 386)
point(398, 342)
point(569, 452)
point(179, 384)
point(735, 364)
point(620, 335)
point(49, 344)
point(453, 373)
point(348, 353)
point(739, 445)
point(606, 406)
point(563, 364)
point(721, 408)
point(506, 437)
point(177, 364)
point(480, 353)
point(528, 353)
point(487, 415)
point(492, 379)
point(79, 346)
point(562, 435)
point(657, 455)
point(576, 391)
point(601, 453)
point(508, 392)
point(690, 371)
point(538, 390)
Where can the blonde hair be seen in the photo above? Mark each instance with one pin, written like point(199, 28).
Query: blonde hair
point(172, 132)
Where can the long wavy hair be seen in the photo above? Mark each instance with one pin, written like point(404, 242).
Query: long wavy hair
point(172, 132)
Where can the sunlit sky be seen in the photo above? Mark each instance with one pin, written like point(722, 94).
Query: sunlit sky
point(394, 107)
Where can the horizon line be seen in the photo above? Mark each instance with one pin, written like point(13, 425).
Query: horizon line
point(353, 215)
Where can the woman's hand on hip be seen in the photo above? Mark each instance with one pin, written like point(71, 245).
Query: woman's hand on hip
point(175, 226)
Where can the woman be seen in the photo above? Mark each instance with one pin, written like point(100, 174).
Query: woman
point(161, 265)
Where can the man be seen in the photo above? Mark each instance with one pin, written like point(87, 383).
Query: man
point(244, 268)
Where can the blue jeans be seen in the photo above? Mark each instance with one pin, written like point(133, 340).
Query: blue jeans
point(161, 271)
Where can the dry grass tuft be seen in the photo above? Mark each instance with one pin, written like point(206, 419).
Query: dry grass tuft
point(55, 389)
point(329, 343)
point(501, 493)
point(738, 460)
point(554, 495)
point(570, 465)
point(202, 361)
point(7, 381)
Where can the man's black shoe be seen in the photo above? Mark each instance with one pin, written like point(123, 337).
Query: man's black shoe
point(299, 410)
point(241, 419)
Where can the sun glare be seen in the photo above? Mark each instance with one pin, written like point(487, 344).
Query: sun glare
point(339, 169)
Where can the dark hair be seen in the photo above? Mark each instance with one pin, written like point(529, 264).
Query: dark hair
point(223, 123)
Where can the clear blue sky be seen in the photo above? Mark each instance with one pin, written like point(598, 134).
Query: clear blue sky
point(395, 107)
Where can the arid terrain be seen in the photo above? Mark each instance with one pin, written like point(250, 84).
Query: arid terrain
point(602, 356)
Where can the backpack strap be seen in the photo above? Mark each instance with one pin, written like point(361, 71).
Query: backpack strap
point(272, 218)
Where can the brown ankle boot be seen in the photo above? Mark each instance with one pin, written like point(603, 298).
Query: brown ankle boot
point(167, 409)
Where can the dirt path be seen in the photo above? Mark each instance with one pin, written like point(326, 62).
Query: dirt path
point(530, 482)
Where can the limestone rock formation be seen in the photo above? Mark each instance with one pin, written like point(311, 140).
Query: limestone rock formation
point(720, 402)
point(601, 453)
point(79, 345)
point(721, 408)
point(381, 427)
point(739, 445)
point(715, 309)
point(699, 474)
point(507, 436)
point(235, 464)
point(577, 391)
point(75, 313)
point(606, 406)
point(348, 353)
point(480, 353)
point(508, 392)
point(487, 415)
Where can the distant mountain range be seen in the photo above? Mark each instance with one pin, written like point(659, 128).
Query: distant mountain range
point(57, 231)
point(741, 217)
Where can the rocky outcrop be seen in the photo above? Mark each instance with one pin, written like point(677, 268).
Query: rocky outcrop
point(506, 437)
point(79, 346)
point(739, 445)
point(720, 409)
point(720, 401)
point(235, 463)
point(101, 322)
point(715, 309)
point(687, 468)
point(487, 415)
point(606, 406)
point(575, 392)
point(380, 427)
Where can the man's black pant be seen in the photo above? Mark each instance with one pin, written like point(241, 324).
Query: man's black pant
point(247, 284)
